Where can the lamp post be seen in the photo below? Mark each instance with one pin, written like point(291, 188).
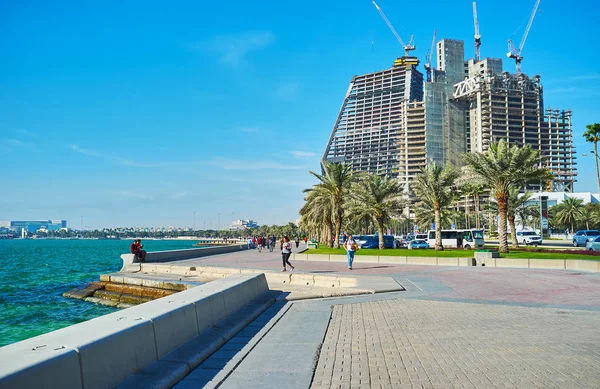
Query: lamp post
point(194, 221)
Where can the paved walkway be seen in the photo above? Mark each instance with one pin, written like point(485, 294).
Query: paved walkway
point(453, 327)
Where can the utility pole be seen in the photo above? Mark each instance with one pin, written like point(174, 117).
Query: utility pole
point(194, 221)
point(219, 221)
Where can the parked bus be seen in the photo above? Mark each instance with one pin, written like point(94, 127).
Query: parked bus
point(458, 238)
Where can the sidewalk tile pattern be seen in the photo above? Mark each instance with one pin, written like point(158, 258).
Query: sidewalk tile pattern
point(431, 344)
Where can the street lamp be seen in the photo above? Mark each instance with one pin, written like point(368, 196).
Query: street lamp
point(194, 221)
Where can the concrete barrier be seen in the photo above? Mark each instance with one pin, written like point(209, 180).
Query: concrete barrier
point(102, 352)
point(430, 261)
point(512, 262)
point(547, 263)
point(178, 255)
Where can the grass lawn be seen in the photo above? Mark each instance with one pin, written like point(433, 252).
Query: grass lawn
point(449, 253)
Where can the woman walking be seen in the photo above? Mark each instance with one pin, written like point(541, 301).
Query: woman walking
point(286, 251)
point(351, 247)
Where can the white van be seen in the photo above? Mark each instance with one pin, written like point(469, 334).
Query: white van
point(466, 239)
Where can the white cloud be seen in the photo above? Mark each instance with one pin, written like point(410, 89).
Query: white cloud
point(119, 160)
point(10, 144)
point(585, 77)
point(180, 195)
point(233, 164)
point(136, 195)
point(287, 91)
point(555, 91)
point(232, 49)
point(303, 154)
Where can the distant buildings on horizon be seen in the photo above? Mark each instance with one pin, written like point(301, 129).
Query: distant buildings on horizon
point(238, 225)
point(33, 226)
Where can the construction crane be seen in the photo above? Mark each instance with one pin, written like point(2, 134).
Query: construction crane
point(512, 51)
point(429, 58)
point(477, 36)
point(408, 47)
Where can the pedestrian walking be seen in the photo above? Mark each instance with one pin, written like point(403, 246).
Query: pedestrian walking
point(286, 251)
point(297, 240)
point(351, 247)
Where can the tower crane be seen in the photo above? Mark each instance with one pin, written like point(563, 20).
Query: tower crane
point(429, 58)
point(477, 36)
point(408, 47)
point(516, 53)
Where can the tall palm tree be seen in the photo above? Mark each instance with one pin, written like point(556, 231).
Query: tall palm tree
point(334, 184)
point(317, 214)
point(379, 199)
point(592, 135)
point(433, 186)
point(570, 211)
point(425, 216)
point(516, 202)
point(503, 167)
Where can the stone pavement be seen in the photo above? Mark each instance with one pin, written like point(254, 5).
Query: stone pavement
point(453, 327)
point(431, 344)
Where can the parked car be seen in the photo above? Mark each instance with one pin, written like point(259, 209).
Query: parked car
point(582, 237)
point(593, 245)
point(529, 238)
point(418, 244)
point(372, 242)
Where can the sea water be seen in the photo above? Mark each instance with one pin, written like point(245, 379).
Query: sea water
point(34, 273)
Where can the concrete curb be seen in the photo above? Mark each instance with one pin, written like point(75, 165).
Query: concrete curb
point(532, 263)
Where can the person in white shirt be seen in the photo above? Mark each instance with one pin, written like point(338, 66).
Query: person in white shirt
point(351, 247)
point(286, 251)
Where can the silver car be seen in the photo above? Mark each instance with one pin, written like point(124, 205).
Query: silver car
point(593, 245)
point(582, 237)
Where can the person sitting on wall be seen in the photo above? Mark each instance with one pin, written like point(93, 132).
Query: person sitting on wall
point(136, 248)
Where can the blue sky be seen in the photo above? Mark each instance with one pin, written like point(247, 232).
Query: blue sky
point(142, 112)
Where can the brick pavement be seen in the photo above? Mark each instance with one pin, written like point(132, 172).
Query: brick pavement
point(433, 344)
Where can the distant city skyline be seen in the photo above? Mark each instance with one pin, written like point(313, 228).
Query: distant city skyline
point(137, 114)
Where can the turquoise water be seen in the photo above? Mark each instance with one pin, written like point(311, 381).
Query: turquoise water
point(35, 273)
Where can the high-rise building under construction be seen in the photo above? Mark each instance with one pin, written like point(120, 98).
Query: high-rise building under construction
point(392, 123)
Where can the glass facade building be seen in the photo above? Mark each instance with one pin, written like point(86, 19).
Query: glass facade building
point(31, 226)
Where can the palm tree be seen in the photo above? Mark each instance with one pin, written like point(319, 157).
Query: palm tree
point(317, 214)
point(592, 135)
point(334, 185)
point(425, 216)
point(433, 186)
point(570, 211)
point(503, 167)
point(516, 202)
point(379, 199)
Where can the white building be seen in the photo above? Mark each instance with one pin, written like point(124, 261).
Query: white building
point(555, 198)
point(237, 225)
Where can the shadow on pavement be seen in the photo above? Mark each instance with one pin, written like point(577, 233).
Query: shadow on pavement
point(230, 351)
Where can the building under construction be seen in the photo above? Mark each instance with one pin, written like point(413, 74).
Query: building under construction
point(392, 123)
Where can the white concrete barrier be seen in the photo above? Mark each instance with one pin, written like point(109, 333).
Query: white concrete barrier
point(178, 255)
point(102, 352)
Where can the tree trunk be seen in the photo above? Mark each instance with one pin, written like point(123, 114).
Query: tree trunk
point(476, 199)
point(438, 228)
point(513, 231)
point(597, 156)
point(502, 212)
point(572, 229)
point(380, 229)
point(338, 229)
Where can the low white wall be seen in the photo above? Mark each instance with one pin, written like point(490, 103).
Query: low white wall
point(178, 255)
point(102, 352)
point(568, 264)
